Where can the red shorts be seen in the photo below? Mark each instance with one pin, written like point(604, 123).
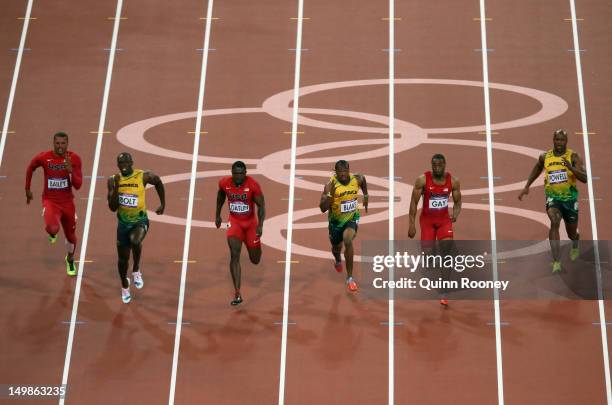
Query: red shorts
point(63, 213)
point(244, 230)
point(435, 228)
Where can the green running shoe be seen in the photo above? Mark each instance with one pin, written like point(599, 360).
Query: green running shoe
point(574, 253)
point(70, 268)
point(556, 266)
point(52, 239)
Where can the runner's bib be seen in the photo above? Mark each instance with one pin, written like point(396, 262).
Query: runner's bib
point(557, 177)
point(348, 206)
point(57, 184)
point(438, 202)
point(128, 200)
point(239, 207)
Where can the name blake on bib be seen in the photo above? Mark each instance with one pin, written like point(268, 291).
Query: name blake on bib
point(348, 206)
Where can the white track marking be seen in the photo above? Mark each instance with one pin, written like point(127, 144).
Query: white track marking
point(391, 343)
point(92, 191)
point(487, 107)
point(587, 159)
point(9, 105)
point(294, 125)
point(192, 180)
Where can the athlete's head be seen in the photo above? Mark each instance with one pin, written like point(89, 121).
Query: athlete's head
point(560, 141)
point(124, 163)
point(239, 172)
point(342, 171)
point(438, 165)
point(60, 143)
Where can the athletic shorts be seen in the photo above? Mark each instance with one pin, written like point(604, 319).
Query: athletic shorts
point(124, 229)
point(336, 232)
point(245, 230)
point(435, 228)
point(568, 209)
point(64, 213)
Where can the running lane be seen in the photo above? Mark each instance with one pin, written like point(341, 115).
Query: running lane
point(594, 30)
point(59, 89)
point(230, 355)
point(11, 23)
point(453, 348)
point(337, 344)
point(534, 48)
point(122, 352)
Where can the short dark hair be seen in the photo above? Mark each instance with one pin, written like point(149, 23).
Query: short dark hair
point(561, 132)
point(239, 164)
point(126, 155)
point(438, 156)
point(341, 164)
point(60, 135)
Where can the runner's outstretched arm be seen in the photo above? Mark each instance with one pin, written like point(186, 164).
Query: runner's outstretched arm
point(220, 202)
point(261, 213)
point(152, 178)
point(417, 191)
point(361, 180)
point(535, 172)
point(456, 199)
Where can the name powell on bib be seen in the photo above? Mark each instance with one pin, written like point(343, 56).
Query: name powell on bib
point(557, 176)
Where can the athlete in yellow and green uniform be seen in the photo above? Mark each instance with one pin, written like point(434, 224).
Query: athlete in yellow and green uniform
point(339, 199)
point(562, 167)
point(126, 196)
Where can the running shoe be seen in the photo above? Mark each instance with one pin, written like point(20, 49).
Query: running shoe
point(351, 284)
point(574, 253)
point(236, 301)
point(556, 266)
point(338, 266)
point(70, 268)
point(126, 297)
point(138, 281)
point(444, 302)
point(52, 239)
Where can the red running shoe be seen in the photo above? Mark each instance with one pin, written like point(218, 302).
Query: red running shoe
point(338, 266)
point(352, 285)
point(444, 302)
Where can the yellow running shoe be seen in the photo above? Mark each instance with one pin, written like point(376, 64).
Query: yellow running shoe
point(574, 253)
point(52, 239)
point(556, 266)
point(70, 268)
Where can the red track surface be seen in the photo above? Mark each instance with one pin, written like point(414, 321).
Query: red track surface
point(337, 343)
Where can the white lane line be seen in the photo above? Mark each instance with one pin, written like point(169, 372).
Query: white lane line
point(192, 180)
point(587, 158)
point(487, 107)
point(92, 191)
point(9, 105)
point(391, 343)
point(294, 125)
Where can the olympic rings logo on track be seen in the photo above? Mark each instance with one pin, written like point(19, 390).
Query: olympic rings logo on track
point(410, 136)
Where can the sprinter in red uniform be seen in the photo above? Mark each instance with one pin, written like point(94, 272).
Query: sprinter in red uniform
point(62, 171)
point(436, 187)
point(242, 193)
